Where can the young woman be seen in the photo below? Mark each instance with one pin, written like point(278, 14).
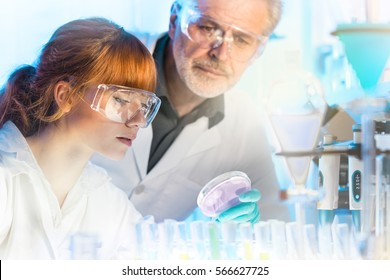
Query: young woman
point(90, 92)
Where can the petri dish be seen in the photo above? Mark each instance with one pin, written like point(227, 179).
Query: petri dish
point(222, 192)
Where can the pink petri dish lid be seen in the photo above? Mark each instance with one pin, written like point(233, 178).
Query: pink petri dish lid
point(223, 192)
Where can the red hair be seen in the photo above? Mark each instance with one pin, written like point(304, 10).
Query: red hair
point(82, 52)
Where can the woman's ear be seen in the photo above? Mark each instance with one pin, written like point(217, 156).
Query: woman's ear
point(61, 95)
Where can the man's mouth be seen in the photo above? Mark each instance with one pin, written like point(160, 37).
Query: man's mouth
point(211, 71)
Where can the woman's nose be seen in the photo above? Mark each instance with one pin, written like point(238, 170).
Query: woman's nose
point(136, 119)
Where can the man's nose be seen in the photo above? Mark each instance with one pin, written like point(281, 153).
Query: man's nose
point(221, 48)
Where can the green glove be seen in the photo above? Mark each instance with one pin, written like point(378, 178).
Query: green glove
point(246, 211)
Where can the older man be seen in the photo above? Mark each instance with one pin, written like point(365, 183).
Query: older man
point(203, 129)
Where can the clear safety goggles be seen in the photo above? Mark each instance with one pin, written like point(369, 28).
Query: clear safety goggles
point(210, 33)
point(121, 104)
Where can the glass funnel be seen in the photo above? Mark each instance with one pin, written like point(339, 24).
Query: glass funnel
point(367, 48)
point(296, 107)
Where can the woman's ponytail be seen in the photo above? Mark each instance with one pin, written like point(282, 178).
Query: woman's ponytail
point(16, 99)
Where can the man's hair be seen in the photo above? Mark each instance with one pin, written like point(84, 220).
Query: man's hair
point(274, 12)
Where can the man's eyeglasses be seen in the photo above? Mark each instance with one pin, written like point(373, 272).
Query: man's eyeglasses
point(121, 104)
point(210, 33)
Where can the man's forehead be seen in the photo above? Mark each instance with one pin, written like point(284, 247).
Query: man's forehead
point(249, 15)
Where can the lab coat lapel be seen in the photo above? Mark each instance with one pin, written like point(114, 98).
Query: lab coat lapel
point(194, 138)
point(141, 147)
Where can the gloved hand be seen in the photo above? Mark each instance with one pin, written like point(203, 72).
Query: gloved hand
point(246, 211)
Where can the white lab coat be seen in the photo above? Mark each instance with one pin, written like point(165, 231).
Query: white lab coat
point(34, 226)
point(198, 155)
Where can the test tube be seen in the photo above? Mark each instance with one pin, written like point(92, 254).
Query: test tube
point(246, 237)
point(198, 239)
point(213, 234)
point(166, 235)
point(262, 239)
point(149, 240)
point(292, 240)
point(311, 242)
point(229, 240)
point(278, 239)
point(325, 249)
point(341, 241)
point(138, 249)
point(180, 238)
point(162, 244)
point(133, 242)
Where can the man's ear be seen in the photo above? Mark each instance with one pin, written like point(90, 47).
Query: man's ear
point(61, 95)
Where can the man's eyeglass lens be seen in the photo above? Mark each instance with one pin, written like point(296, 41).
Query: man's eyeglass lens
point(209, 34)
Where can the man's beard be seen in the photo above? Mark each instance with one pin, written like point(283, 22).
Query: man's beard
point(198, 81)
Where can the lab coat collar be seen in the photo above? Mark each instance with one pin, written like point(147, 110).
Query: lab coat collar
point(14, 146)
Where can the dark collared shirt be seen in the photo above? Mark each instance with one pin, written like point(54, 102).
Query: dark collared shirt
point(167, 125)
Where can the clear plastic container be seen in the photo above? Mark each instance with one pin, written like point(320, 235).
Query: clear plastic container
point(223, 192)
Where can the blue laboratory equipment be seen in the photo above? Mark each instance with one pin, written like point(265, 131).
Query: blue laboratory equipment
point(367, 47)
point(355, 173)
